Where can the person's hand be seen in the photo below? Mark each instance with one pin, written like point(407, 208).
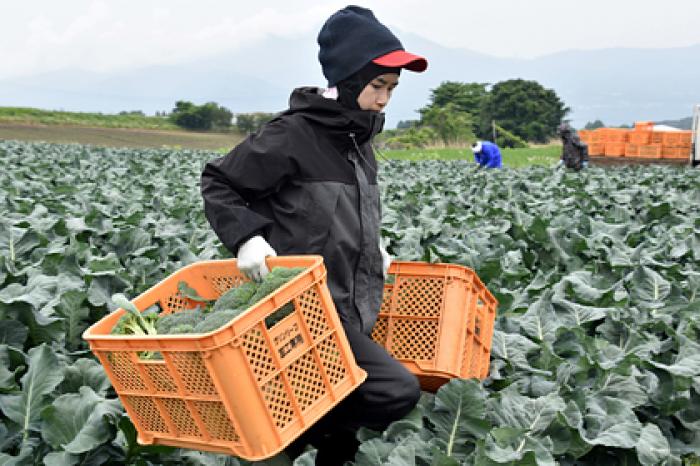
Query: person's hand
point(251, 258)
point(584, 164)
point(386, 260)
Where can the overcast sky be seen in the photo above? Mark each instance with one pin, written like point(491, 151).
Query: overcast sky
point(46, 35)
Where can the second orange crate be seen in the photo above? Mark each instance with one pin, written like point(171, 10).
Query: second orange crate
point(596, 148)
point(247, 389)
point(640, 137)
point(675, 152)
point(647, 151)
point(437, 320)
point(677, 139)
point(614, 149)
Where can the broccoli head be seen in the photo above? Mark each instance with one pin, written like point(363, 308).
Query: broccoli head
point(235, 298)
point(179, 322)
point(216, 320)
point(277, 277)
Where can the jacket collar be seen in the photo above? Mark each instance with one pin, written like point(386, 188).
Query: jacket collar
point(339, 121)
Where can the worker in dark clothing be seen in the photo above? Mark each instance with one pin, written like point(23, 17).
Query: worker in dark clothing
point(574, 151)
point(306, 183)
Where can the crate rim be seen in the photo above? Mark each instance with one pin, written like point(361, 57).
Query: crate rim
point(90, 334)
point(448, 271)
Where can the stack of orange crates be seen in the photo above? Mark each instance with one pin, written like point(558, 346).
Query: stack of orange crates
point(641, 142)
point(676, 144)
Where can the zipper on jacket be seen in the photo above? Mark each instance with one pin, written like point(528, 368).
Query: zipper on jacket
point(359, 152)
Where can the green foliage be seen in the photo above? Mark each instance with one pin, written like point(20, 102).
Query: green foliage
point(406, 124)
point(505, 138)
point(134, 119)
point(525, 108)
point(466, 97)
point(201, 117)
point(594, 358)
point(411, 138)
point(452, 125)
point(248, 123)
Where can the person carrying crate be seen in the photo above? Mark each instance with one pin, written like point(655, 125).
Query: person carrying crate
point(306, 183)
point(574, 151)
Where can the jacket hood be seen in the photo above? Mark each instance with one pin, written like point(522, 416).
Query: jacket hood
point(309, 103)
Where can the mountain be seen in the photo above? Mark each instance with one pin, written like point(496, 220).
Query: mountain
point(617, 86)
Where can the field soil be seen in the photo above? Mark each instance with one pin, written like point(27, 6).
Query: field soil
point(119, 137)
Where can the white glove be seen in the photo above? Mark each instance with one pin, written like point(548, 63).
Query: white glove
point(386, 259)
point(251, 258)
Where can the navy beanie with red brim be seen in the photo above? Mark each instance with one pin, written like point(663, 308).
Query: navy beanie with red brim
point(353, 37)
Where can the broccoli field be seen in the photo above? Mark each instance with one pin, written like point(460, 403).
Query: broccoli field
point(596, 352)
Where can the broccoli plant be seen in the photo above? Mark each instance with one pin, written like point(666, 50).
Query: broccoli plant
point(133, 322)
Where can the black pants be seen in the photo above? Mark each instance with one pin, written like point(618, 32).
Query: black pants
point(388, 394)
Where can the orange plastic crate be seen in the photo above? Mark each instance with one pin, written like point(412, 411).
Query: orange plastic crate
point(675, 152)
point(616, 135)
point(657, 137)
point(598, 135)
point(585, 135)
point(677, 139)
point(632, 150)
point(245, 389)
point(643, 126)
point(639, 137)
point(437, 319)
point(596, 148)
point(615, 149)
point(650, 151)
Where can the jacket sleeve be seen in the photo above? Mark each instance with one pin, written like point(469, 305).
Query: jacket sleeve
point(255, 168)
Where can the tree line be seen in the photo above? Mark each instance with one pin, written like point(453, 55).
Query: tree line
point(214, 117)
point(512, 112)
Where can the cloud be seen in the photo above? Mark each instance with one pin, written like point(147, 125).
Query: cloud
point(100, 35)
point(107, 36)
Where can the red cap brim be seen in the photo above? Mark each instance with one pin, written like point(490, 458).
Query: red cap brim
point(402, 59)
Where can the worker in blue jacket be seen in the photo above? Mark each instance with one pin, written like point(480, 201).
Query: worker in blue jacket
point(487, 154)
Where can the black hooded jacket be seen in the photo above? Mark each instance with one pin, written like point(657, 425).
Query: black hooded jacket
point(307, 183)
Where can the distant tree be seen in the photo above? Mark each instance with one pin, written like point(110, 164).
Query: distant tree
point(525, 108)
point(594, 125)
point(201, 117)
point(406, 124)
point(251, 122)
point(466, 97)
point(451, 124)
point(132, 112)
